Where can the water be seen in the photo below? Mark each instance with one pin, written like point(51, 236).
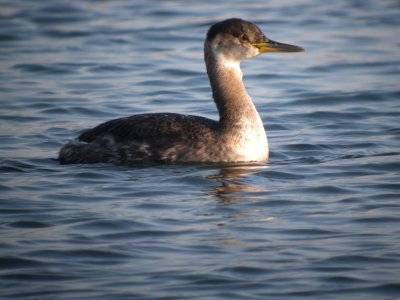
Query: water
point(320, 220)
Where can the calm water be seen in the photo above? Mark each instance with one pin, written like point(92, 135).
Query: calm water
point(320, 220)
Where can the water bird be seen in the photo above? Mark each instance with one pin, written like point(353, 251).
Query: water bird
point(238, 135)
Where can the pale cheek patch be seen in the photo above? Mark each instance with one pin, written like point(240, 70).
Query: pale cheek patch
point(232, 50)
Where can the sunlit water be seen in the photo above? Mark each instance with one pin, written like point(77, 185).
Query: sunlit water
point(320, 221)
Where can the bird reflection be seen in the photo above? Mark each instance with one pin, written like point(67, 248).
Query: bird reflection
point(235, 184)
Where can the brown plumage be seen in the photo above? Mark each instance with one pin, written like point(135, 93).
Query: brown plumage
point(238, 136)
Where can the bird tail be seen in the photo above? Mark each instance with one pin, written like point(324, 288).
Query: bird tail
point(76, 152)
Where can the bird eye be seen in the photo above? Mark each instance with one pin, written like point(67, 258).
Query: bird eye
point(244, 38)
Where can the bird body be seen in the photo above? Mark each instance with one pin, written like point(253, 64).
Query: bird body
point(238, 136)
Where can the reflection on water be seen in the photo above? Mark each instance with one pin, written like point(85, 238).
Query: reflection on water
point(234, 183)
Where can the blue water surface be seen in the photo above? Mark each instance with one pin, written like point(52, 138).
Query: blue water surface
point(320, 220)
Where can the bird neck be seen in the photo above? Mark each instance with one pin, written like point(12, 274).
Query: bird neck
point(234, 105)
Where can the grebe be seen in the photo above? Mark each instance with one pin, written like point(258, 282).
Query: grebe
point(238, 136)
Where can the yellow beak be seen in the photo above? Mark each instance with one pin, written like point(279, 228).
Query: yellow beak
point(272, 46)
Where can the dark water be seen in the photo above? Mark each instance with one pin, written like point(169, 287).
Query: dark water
point(321, 220)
